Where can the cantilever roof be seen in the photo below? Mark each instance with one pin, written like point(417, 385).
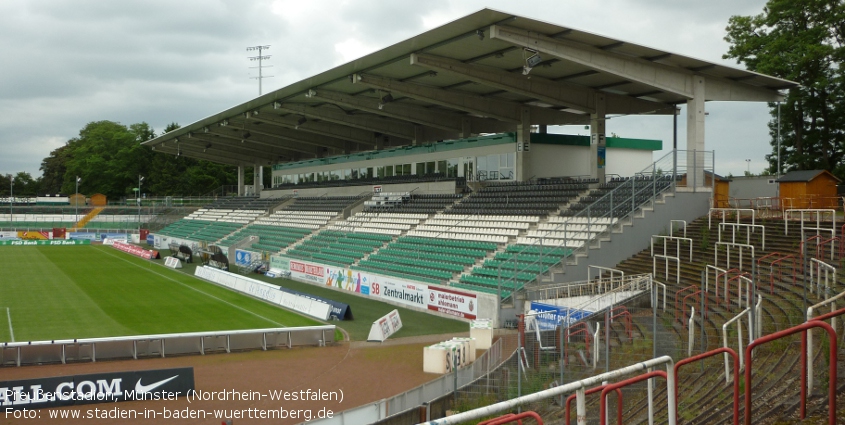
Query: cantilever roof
point(465, 77)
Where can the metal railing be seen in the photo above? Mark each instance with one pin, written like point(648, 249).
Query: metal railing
point(618, 204)
point(161, 345)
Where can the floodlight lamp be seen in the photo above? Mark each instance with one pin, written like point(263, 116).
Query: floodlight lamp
point(480, 34)
point(301, 121)
point(533, 60)
point(387, 98)
point(246, 135)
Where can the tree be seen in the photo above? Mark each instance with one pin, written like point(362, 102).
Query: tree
point(800, 41)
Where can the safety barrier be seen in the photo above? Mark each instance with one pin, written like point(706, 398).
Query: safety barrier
point(161, 345)
point(735, 376)
point(580, 393)
point(594, 390)
point(725, 211)
point(748, 230)
point(817, 214)
point(816, 323)
point(728, 246)
point(816, 268)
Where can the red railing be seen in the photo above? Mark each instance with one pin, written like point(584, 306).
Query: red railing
point(567, 408)
point(806, 242)
point(612, 387)
point(621, 311)
point(684, 315)
point(780, 258)
point(820, 248)
point(737, 278)
point(570, 331)
point(702, 356)
point(726, 273)
point(511, 417)
point(678, 300)
point(802, 328)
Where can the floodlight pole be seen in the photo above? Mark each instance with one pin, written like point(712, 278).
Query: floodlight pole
point(778, 139)
point(140, 180)
point(259, 58)
point(76, 203)
point(11, 200)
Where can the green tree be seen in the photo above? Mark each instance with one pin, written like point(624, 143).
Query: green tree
point(800, 41)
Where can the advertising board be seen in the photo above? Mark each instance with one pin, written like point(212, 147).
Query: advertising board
point(160, 384)
point(385, 326)
point(244, 258)
point(551, 315)
point(45, 242)
point(134, 250)
point(403, 291)
point(265, 291)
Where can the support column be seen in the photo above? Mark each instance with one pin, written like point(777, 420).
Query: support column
point(523, 146)
point(695, 134)
point(598, 141)
point(418, 135)
point(240, 180)
point(257, 179)
point(466, 128)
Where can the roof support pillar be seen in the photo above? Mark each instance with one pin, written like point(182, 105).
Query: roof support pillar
point(418, 135)
point(598, 141)
point(523, 146)
point(240, 180)
point(466, 128)
point(258, 179)
point(695, 134)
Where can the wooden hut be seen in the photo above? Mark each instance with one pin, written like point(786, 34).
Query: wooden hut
point(808, 189)
point(721, 188)
point(98, 200)
point(77, 200)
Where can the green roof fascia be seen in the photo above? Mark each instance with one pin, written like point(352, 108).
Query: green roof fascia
point(446, 145)
point(611, 142)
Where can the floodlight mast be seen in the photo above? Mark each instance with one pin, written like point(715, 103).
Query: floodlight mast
point(259, 58)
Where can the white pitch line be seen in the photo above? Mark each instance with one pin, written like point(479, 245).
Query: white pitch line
point(191, 287)
point(11, 330)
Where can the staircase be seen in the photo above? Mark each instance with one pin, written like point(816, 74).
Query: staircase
point(88, 217)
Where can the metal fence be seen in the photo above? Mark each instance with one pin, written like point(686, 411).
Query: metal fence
point(148, 346)
point(465, 379)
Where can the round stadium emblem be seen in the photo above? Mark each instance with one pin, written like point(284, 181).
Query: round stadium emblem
point(470, 306)
point(431, 296)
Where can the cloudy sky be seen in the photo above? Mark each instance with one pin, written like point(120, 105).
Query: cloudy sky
point(66, 63)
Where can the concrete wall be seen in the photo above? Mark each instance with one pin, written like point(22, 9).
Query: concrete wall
point(558, 160)
point(420, 187)
point(753, 187)
point(683, 206)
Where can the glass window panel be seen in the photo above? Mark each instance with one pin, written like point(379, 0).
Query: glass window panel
point(429, 167)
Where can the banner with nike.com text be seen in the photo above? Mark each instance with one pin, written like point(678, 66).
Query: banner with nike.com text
point(159, 384)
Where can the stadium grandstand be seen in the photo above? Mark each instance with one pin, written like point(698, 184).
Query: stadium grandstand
point(440, 166)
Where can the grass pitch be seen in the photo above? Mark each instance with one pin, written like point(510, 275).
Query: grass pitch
point(66, 292)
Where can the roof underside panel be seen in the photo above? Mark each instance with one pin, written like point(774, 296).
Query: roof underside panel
point(468, 82)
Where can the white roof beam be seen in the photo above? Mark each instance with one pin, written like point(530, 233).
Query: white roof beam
point(321, 128)
point(656, 75)
point(257, 142)
point(727, 90)
point(556, 93)
point(283, 132)
point(364, 122)
point(195, 147)
point(448, 121)
point(484, 106)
